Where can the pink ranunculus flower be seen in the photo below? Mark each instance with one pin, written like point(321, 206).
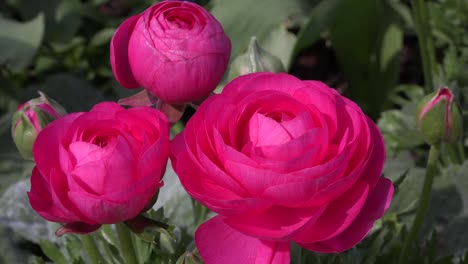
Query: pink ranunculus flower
point(280, 160)
point(99, 167)
point(176, 50)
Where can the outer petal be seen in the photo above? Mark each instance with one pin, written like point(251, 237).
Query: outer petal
point(46, 147)
point(220, 244)
point(337, 217)
point(119, 53)
point(118, 206)
point(42, 200)
point(76, 228)
point(246, 84)
point(376, 205)
point(275, 222)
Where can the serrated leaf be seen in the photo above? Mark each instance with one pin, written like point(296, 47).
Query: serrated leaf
point(407, 195)
point(19, 42)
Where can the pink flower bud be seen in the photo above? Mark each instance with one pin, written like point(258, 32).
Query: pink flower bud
point(176, 50)
point(30, 118)
point(439, 117)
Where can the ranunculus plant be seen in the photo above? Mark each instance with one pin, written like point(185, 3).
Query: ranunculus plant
point(99, 167)
point(176, 50)
point(272, 169)
point(281, 160)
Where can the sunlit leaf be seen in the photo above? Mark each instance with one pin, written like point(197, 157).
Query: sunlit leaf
point(243, 19)
point(20, 41)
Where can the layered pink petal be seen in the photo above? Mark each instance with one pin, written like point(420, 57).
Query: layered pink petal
point(180, 38)
point(47, 144)
point(43, 200)
point(275, 222)
point(337, 217)
point(376, 204)
point(244, 85)
point(281, 159)
point(119, 53)
point(218, 243)
point(116, 207)
point(103, 170)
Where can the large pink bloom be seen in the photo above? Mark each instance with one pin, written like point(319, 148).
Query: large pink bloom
point(176, 50)
point(99, 167)
point(280, 160)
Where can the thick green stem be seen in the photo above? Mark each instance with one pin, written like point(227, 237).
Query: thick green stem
point(426, 46)
point(431, 171)
point(91, 247)
point(126, 244)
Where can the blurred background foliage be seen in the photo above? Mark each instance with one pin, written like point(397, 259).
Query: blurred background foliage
point(366, 49)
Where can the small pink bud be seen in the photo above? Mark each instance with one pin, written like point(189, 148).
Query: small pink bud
point(30, 118)
point(439, 117)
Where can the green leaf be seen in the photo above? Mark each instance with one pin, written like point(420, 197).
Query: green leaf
point(62, 18)
point(177, 204)
point(319, 20)
point(52, 252)
point(20, 41)
point(407, 195)
point(367, 42)
point(73, 93)
point(280, 42)
point(242, 19)
point(73, 248)
point(394, 123)
point(458, 175)
point(102, 37)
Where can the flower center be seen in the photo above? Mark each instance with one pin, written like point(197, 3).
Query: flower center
point(101, 141)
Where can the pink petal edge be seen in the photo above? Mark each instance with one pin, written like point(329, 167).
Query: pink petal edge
point(119, 53)
point(220, 244)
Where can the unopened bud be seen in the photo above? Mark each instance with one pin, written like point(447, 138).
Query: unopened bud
point(30, 118)
point(439, 117)
point(255, 59)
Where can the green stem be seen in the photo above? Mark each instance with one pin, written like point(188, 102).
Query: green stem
point(431, 171)
point(126, 244)
point(430, 51)
point(92, 249)
point(426, 46)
